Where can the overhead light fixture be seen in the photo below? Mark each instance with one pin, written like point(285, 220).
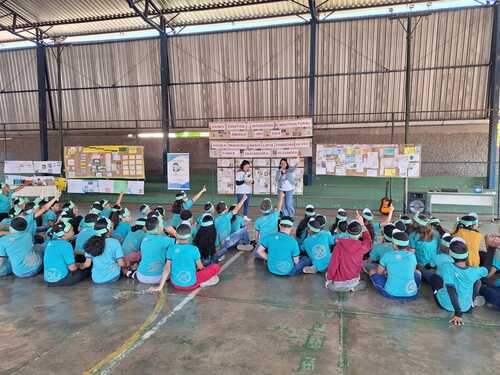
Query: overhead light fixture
point(186, 134)
point(150, 135)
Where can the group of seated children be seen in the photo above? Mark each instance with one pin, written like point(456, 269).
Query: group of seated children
point(397, 255)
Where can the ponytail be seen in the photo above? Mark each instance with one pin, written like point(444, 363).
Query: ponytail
point(95, 245)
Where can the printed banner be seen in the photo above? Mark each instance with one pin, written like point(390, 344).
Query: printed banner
point(178, 171)
point(292, 128)
point(261, 149)
point(80, 186)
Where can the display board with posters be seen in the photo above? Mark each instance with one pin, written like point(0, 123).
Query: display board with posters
point(369, 160)
point(263, 172)
point(115, 162)
point(178, 171)
point(292, 128)
point(82, 186)
point(260, 148)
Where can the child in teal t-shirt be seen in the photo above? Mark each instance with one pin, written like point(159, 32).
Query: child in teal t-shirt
point(267, 223)
point(183, 202)
point(132, 243)
point(154, 249)
point(396, 275)
point(86, 231)
point(302, 230)
point(317, 245)
point(208, 208)
point(122, 229)
point(49, 218)
point(281, 251)
point(424, 240)
point(17, 249)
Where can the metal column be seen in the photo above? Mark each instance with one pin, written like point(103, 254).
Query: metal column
point(312, 79)
point(494, 91)
point(59, 49)
point(164, 76)
point(407, 101)
point(42, 98)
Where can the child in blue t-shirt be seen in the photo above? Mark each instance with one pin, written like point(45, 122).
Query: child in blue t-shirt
point(424, 240)
point(317, 245)
point(380, 249)
point(439, 259)
point(86, 231)
point(457, 286)
point(208, 208)
point(132, 243)
point(154, 247)
point(16, 248)
point(302, 229)
point(396, 275)
point(183, 202)
point(491, 289)
point(60, 267)
point(144, 210)
point(49, 218)
point(267, 223)
point(105, 254)
point(121, 221)
point(184, 266)
point(281, 251)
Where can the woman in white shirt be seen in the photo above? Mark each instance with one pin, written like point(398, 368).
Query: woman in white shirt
point(244, 182)
point(285, 182)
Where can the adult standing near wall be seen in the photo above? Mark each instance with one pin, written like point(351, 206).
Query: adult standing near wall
point(244, 182)
point(285, 182)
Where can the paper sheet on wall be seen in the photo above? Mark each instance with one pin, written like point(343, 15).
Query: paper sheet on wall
point(48, 167)
point(178, 171)
point(120, 186)
point(135, 187)
point(18, 167)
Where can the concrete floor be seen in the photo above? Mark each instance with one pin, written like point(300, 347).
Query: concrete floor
point(251, 323)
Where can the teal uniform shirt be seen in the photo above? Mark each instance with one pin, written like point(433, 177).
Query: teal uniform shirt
point(132, 243)
point(49, 216)
point(267, 224)
point(18, 248)
point(400, 267)
point(104, 266)
point(106, 212)
point(5, 268)
point(439, 260)
point(338, 236)
point(463, 279)
point(223, 226)
point(317, 247)
point(281, 248)
point(120, 232)
point(496, 260)
point(82, 238)
point(5, 201)
point(424, 250)
point(183, 268)
point(237, 223)
point(176, 218)
point(30, 219)
point(379, 250)
point(154, 249)
point(56, 259)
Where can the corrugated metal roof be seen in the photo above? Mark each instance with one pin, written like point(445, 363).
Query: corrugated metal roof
point(81, 17)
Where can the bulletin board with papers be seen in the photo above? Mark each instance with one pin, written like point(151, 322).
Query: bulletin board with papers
point(262, 171)
point(116, 162)
point(370, 160)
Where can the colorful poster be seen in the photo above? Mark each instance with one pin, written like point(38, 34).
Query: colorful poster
point(178, 171)
point(274, 129)
point(81, 186)
point(47, 167)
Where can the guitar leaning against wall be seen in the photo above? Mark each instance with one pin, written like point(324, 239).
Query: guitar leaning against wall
point(386, 201)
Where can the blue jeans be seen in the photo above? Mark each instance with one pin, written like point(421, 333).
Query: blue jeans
point(379, 281)
point(288, 209)
point(491, 294)
point(239, 197)
point(427, 274)
point(304, 261)
point(236, 238)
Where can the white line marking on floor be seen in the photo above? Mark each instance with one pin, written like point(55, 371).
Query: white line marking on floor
point(146, 335)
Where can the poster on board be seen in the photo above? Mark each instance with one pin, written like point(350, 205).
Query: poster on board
point(83, 186)
point(274, 129)
point(178, 171)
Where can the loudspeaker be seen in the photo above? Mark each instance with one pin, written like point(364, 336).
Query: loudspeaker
point(416, 202)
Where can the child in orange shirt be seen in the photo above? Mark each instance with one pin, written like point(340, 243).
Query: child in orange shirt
point(467, 229)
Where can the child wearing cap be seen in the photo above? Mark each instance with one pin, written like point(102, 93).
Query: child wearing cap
point(31, 212)
point(380, 249)
point(468, 230)
point(154, 249)
point(237, 221)
point(439, 259)
point(49, 218)
point(374, 228)
point(86, 231)
point(208, 208)
point(396, 276)
point(347, 258)
point(144, 210)
point(408, 222)
point(16, 248)
point(317, 245)
point(184, 266)
point(59, 265)
point(424, 240)
point(302, 229)
point(121, 222)
point(457, 285)
point(267, 223)
point(281, 251)
point(205, 239)
point(132, 243)
point(6, 198)
point(183, 202)
point(491, 289)
point(104, 254)
point(340, 217)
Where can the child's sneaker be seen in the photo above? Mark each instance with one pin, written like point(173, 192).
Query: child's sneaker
point(361, 286)
point(246, 218)
point(479, 301)
point(244, 247)
point(310, 269)
point(210, 282)
point(221, 259)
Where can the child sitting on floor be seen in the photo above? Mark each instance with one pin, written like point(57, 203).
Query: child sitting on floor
point(341, 217)
point(183, 202)
point(456, 287)
point(317, 245)
point(302, 229)
point(396, 276)
point(380, 249)
point(205, 239)
point(208, 208)
point(281, 251)
point(132, 243)
point(439, 259)
point(424, 240)
point(184, 266)
point(347, 258)
point(59, 265)
point(86, 231)
point(267, 223)
point(121, 221)
point(468, 230)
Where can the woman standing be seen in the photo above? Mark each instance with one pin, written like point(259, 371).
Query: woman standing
point(285, 182)
point(244, 182)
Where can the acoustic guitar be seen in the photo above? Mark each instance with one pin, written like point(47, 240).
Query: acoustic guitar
point(386, 202)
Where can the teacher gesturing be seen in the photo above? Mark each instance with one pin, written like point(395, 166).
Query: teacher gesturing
point(244, 182)
point(285, 182)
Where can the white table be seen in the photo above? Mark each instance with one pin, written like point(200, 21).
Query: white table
point(484, 199)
